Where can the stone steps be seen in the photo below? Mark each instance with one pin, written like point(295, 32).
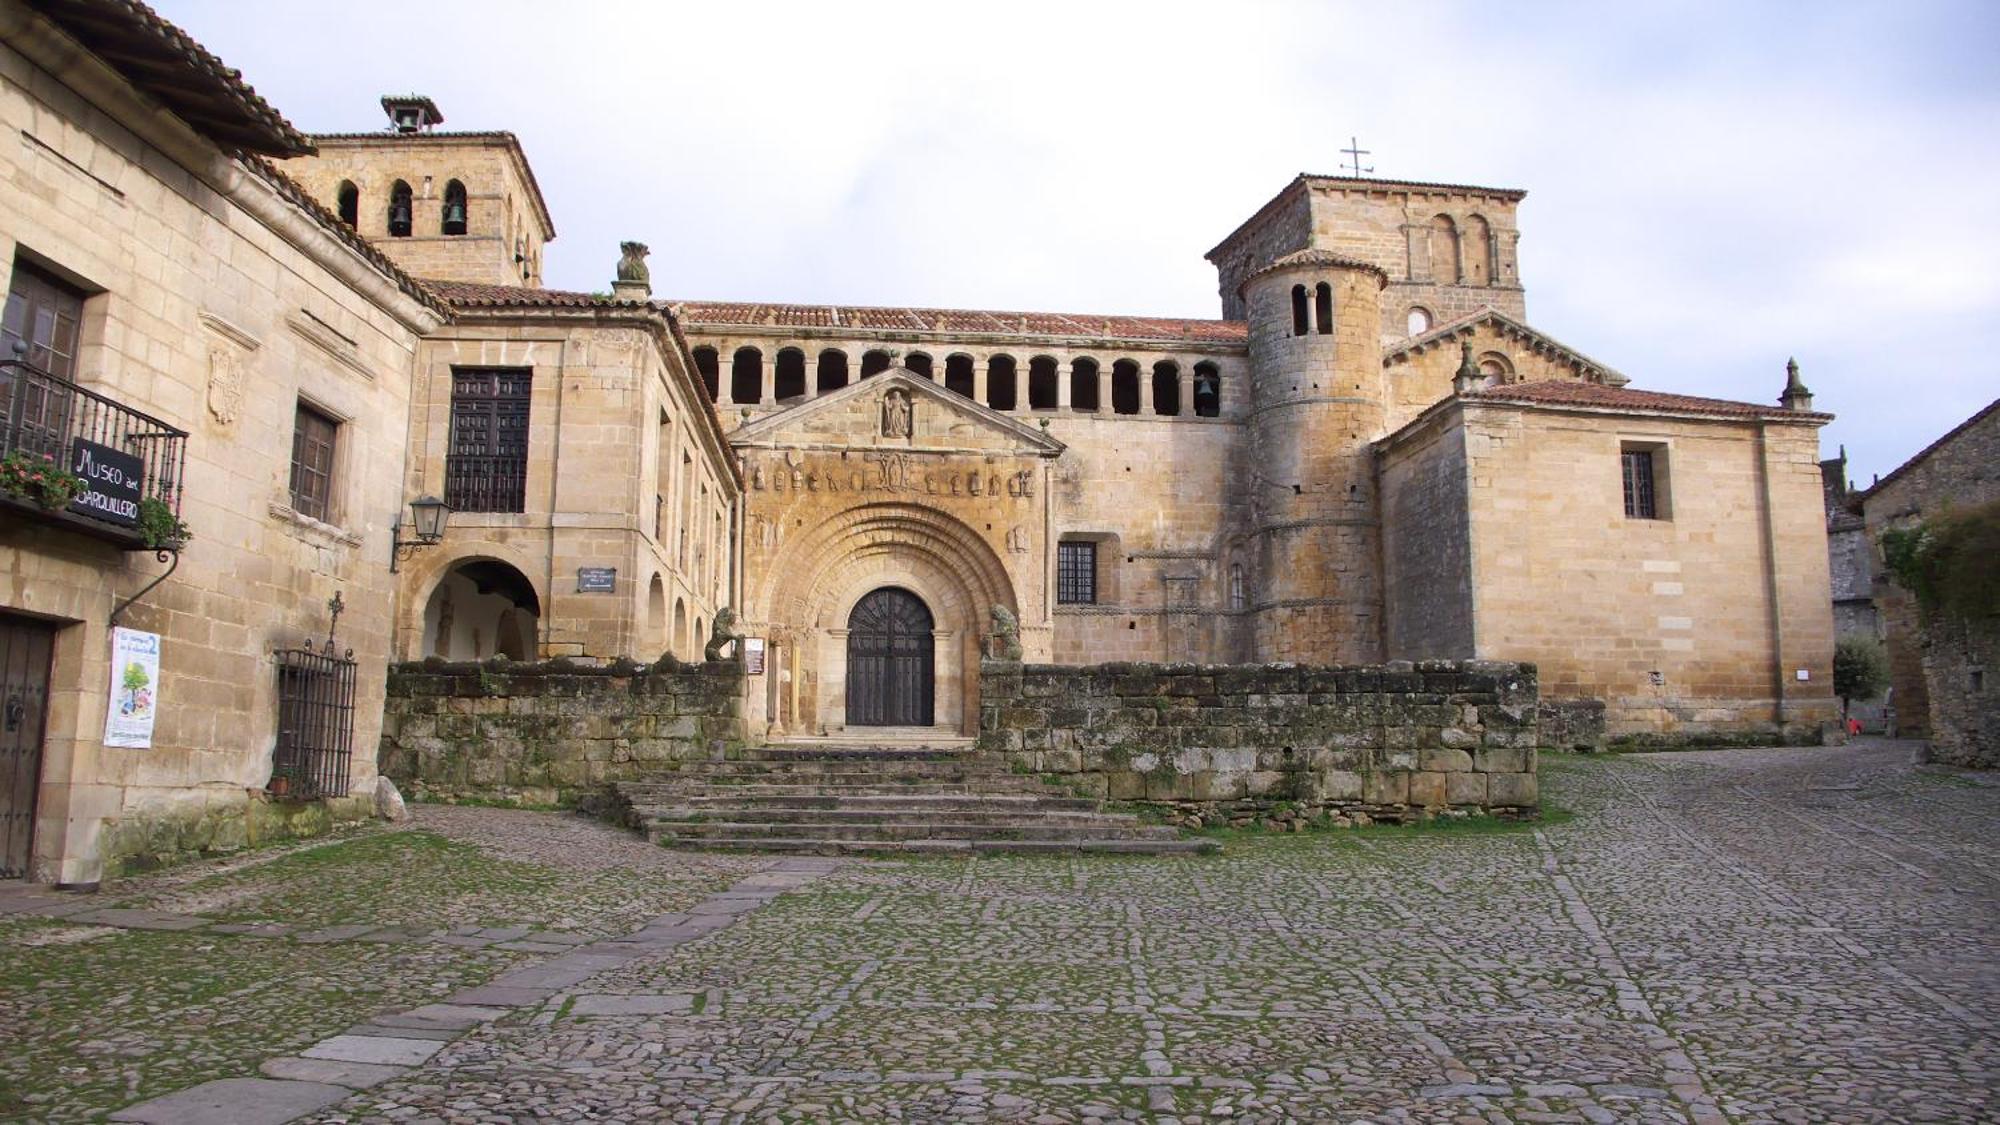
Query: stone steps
point(918, 830)
point(945, 847)
point(667, 816)
point(924, 802)
point(835, 797)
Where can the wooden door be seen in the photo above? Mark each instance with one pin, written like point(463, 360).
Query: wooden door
point(890, 660)
point(25, 646)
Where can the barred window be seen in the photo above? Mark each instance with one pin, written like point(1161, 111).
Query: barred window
point(315, 723)
point(1640, 500)
point(313, 436)
point(487, 470)
point(1076, 573)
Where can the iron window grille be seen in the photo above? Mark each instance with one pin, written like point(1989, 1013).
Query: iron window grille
point(487, 470)
point(1076, 573)
point(1640, 501)
point(315, 721)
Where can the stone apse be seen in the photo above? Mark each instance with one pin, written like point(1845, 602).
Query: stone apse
point(936, 506)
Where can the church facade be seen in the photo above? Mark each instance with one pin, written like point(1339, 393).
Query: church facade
point(304, 348)
point(1369, 455)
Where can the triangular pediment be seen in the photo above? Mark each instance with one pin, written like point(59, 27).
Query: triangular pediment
point(1506, 328)
point(897, 409)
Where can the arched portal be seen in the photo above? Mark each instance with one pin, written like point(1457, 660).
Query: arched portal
point(812, 589)
point(480, 608)
point(891, 661)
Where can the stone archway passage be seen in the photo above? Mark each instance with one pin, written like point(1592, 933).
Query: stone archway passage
point(891, 680)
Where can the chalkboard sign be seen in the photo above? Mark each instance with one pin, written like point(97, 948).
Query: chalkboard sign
point(596, 579)
point(112, 483)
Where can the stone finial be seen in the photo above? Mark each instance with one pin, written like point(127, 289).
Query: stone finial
point(1467, 378)
point(634, 280)
point(1796, 396)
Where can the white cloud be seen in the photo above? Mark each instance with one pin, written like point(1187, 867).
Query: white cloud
point(1713, 186)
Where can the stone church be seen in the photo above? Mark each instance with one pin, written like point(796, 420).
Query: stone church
point(1369, 455)
point(332, 420)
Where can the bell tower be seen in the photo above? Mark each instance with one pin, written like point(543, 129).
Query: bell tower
point(446, 206)
point(1317, 403)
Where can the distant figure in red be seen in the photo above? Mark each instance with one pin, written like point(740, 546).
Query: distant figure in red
point(1854, 726)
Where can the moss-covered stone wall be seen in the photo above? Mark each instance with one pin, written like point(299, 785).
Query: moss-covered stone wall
point(548, 732)
point(1394, 741)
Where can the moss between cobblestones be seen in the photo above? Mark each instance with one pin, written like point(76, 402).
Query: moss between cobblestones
point(123, 1015)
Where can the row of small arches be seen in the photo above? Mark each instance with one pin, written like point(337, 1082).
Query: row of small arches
point(451, 220)
point(830, 372)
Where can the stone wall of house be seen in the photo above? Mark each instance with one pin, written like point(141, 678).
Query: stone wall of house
point(1961, 468)
point(1961, 663)
point(215, 303)
point(544, 733)
point(1711, 622)
point(1394, 741)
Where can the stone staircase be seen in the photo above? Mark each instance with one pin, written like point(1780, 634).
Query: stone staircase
point(831, 797)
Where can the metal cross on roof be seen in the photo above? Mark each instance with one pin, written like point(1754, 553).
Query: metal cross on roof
point(1354, 153)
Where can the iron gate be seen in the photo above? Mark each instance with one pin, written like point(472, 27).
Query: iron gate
point(890, 682)
point(25, 646)
point(315, 722)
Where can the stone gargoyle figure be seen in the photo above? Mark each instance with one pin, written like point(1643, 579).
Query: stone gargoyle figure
point(632, 262)
point(723, 632)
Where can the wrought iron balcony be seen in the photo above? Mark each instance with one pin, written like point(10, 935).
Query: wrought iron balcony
point(126, 458)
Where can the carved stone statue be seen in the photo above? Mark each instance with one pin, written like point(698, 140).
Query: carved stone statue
point(632, 263)
point(720, 634)
point(1004, 642)
point(896, 413)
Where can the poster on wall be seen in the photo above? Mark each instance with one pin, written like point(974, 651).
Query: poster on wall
point(753, 656)
point(135, 688)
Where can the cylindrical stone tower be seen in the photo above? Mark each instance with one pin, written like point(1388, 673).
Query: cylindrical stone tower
point(1317, 404)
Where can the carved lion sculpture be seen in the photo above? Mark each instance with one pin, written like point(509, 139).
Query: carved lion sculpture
point(632, 262)
point(723, 632)
point(1005, 639)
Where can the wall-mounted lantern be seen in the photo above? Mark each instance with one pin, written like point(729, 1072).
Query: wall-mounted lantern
point(427, 519)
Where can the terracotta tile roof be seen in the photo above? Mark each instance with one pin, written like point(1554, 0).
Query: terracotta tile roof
point(1324, 258)
point(702, 314)
point(498, 136)
point(168, 65)
point(1540, 342)
point(302, 199)
point(1370, 183)
point(468, 294)
point(1563, 392)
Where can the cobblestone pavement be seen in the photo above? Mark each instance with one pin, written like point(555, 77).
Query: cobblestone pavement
point(1782, 935)
point(1772, 935)
point(205, 971)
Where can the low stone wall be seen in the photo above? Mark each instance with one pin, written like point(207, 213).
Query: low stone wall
point(218, 822)
point(1571, 724)
point(1274, 741)
point(546, 733)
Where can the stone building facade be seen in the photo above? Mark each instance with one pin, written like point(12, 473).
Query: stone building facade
point(1369, 456)
point(1959, 469)
point(180, 309)
point(1267, 486)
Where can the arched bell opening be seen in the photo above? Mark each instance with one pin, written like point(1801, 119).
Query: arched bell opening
point(482, 608)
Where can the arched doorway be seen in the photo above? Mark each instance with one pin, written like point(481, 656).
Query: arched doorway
point(482, 607)
point(890, 663)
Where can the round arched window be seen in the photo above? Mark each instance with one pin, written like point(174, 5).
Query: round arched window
point(1420, 320)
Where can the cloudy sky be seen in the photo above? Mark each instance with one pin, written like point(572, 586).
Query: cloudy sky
point(1712, 187)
